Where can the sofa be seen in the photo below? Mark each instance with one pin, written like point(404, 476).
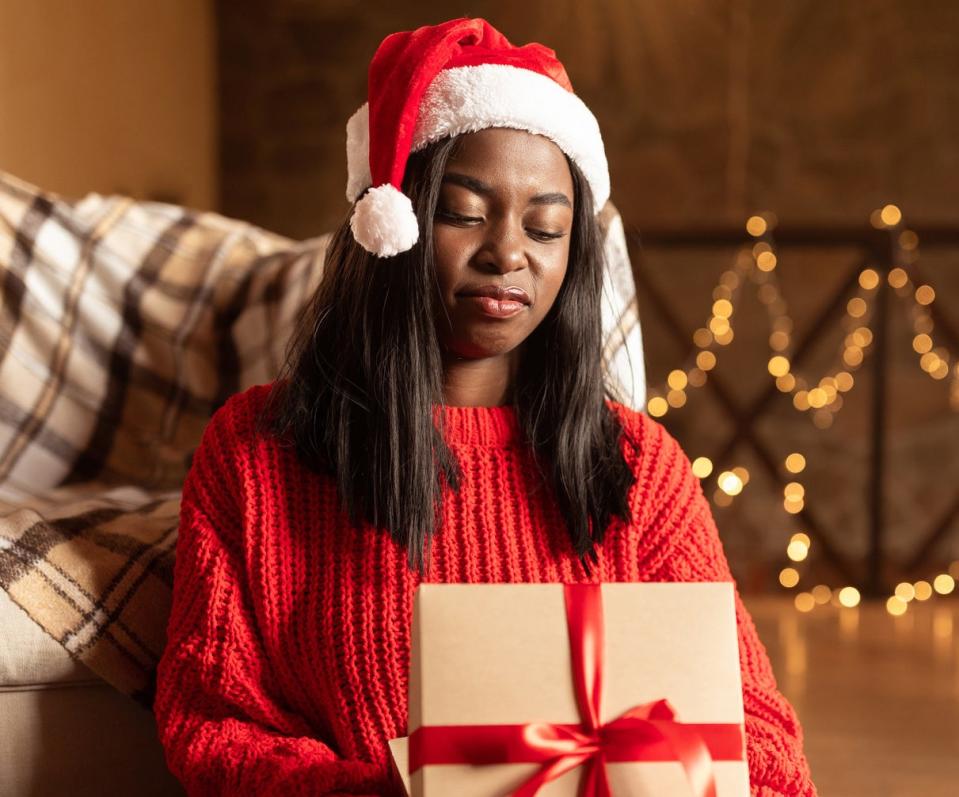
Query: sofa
point(124, 325)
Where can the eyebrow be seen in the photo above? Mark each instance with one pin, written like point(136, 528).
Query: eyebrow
point(479, 187)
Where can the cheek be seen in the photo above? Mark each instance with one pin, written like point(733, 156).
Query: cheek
point(554, 274)
point(449, 257)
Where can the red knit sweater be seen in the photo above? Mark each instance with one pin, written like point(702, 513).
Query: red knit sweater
point(285, 671)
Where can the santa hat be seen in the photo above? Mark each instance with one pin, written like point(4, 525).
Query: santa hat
point(443, 80)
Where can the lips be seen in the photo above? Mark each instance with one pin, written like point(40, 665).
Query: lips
point(497, 301)
point(500, 293)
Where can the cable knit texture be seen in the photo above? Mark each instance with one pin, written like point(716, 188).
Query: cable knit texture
point(286, 668)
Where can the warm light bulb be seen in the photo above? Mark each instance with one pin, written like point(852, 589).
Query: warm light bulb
point(794, 491)
point(925, 294)
point(852, 356)
point(778, 365)
point(821, 594)
point(896, 606)
point(730, 483)
point(929, 361)
point(868, 279)
point(786, 383)
point(844, 381)
point(943, 583)
point(856, 307)
point(766, 261)
point(718, 326)
point(797, 551)
point(922, 344)
point(756, 226)
point(677, 380)
point(702, 337)
point(862, 337)
point(702, 467)
point(676, 398)
point(722, 308)
point(905, 591)
point(908, 239)
point(657, 407)
point(789, 577)
point(801, 537)
point(891, 215)
point(779, 341)
point(849, 597)
point(795, 463)
point(898, 277)
point(805, 602)
point(817, 398)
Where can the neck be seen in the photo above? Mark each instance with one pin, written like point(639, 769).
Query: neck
point(483, 382)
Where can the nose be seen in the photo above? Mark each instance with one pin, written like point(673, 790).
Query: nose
point(504, 246)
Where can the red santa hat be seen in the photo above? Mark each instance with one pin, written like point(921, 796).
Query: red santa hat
point(443, 80)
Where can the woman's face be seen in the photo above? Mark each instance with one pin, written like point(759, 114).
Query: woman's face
point(503, 222)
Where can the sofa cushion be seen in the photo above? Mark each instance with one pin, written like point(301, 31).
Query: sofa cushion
point(124, 326)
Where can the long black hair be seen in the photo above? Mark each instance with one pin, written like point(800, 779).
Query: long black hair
point(363, 371)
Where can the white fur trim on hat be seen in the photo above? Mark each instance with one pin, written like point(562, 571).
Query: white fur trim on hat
point(384, 222)
point(470, 98)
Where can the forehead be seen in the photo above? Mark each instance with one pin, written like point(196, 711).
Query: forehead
point(501, 152)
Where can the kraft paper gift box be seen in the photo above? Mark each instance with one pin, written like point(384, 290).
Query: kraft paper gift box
point(500, 655)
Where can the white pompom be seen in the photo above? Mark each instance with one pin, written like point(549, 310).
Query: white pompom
point(384, 222)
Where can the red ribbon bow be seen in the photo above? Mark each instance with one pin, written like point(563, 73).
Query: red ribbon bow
point(647, 732)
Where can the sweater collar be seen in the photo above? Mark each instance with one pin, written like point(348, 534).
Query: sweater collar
point(478, 425)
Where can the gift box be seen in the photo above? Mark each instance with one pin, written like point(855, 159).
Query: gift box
point(561, 690)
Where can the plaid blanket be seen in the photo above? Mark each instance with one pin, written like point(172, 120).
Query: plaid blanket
point(124, 326)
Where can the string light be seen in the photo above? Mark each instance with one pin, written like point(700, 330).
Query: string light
point(935, 360)
point(822, 399)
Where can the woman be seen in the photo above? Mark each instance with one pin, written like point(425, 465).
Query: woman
point(442, 417)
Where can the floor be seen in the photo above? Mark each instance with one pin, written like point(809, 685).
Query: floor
point(877, 695)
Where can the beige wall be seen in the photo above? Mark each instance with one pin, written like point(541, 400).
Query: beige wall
point(113, 96)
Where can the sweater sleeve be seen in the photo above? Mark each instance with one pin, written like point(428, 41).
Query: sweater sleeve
point(220, 719)
point(686, 547)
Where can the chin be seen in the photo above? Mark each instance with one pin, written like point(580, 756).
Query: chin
point(482, 349)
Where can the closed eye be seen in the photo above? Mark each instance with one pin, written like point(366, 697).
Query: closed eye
point(443, 214)
point(541, 235)
point(546, 236)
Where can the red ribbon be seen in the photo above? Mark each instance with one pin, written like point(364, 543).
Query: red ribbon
point(647, 732)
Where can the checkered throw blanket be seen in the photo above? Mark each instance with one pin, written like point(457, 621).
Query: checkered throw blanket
point(124, 325)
